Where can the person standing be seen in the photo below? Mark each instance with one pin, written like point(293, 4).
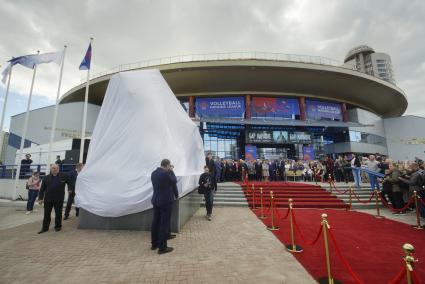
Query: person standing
point(372, 165)
point(205, 182)
point(33, 186)
point(164, 192)
point(209, 162)
point(71, 190)
point(265, 169)
point(355, 167)
point(52, 194)
point(25, 166)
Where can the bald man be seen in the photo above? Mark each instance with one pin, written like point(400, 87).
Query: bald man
point(52, 194)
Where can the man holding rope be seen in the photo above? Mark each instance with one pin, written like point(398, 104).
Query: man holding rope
point(416, 182)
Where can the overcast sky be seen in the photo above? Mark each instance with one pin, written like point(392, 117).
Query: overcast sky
point(130, 31)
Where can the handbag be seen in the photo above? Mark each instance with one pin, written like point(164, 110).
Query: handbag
point(201, 189)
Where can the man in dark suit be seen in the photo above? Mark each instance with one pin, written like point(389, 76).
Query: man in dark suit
point(164, 192)
point(71, 190)
point(281, 169)
point(209, 162)
point(52, 194)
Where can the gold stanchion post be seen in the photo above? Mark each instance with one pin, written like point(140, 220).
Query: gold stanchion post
point(292, 247)
point(378, 212)
point(418, 218)
point(330, 183)
point(272, 227)
point(351, 197)
point(329, 279)
point(409, 259)
point(262, 215)
point(253, 196)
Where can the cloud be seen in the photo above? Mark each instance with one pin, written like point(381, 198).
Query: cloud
point(130, 31)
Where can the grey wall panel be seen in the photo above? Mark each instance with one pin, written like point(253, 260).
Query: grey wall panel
point(405, 137)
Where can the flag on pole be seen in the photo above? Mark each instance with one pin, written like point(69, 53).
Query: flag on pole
point(85, 64)
point(5, 73)
point(31, 60)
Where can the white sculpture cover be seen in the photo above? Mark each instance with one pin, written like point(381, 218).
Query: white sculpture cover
point(140, 123)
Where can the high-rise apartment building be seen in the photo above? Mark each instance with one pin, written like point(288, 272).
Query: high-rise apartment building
point(363, 58)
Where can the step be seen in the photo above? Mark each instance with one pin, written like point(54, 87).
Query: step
point(230, 204)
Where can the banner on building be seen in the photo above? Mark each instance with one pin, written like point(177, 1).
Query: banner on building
point(250, 152)
point(300, 137)
point(259, 136)
point(274, 107)
point(317, 110)
point(308, 153)
point(220, 107)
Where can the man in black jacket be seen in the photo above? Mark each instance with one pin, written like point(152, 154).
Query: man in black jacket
point(164, 192)
point(209, 162)
point(52, 194)
point(71, 190)
point(206, 183)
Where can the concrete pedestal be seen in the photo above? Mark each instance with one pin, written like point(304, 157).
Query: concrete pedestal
point(183, 210)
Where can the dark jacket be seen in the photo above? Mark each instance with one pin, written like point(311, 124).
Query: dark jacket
point(211, 165)
point(164, 187)
point(72, 180)
point(51, 191)
point(414, 181)
point(205, 181)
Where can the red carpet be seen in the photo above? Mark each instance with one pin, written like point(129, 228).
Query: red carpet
point(372, 247)
point(303, 195)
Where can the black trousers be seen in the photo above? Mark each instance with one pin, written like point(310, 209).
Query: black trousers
point(397, 197)
point(48, 206)
point(69, 203)
point(161, 225)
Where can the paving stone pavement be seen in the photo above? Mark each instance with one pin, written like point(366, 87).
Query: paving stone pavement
point(234, 247)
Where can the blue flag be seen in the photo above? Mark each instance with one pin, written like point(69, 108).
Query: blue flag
point(85, 64)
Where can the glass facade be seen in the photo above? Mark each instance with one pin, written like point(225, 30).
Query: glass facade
point(228, 141)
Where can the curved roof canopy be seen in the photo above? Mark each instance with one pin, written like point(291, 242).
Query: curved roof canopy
point(268, 78)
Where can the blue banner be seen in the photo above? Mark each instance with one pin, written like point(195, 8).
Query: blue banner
point(220, 107)
point(308, 153)
point(250, 153)
point(317, 110)
point(274, 107)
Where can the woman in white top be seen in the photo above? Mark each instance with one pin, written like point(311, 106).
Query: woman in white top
point(265, 168)
point(33, 186)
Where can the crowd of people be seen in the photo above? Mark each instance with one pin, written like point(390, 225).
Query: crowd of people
point(396, 182)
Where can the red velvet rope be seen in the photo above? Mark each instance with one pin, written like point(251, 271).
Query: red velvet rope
point(336, 189)
point(364, 202)
point(309, 243)
point(415, 277)
point(392, 208)
point(399, 276)
point(341, 257)
point(278, 214)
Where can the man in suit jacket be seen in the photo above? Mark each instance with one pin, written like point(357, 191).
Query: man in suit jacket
point(164, 192)
point(52, 194)
point(71, 190)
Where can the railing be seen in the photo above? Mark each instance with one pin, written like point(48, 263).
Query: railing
point(9, 171)
point(221, 56)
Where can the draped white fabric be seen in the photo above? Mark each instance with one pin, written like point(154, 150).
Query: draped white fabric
point(140, 123)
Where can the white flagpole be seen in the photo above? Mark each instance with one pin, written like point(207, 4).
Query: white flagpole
point(5, 105)
point(86, 98)
point(55, 116)
point(24, 134)
point(5, 99)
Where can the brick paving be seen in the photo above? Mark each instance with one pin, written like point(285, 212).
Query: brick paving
point(234, 247)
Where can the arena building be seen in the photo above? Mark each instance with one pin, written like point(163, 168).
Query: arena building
point(258, 105)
